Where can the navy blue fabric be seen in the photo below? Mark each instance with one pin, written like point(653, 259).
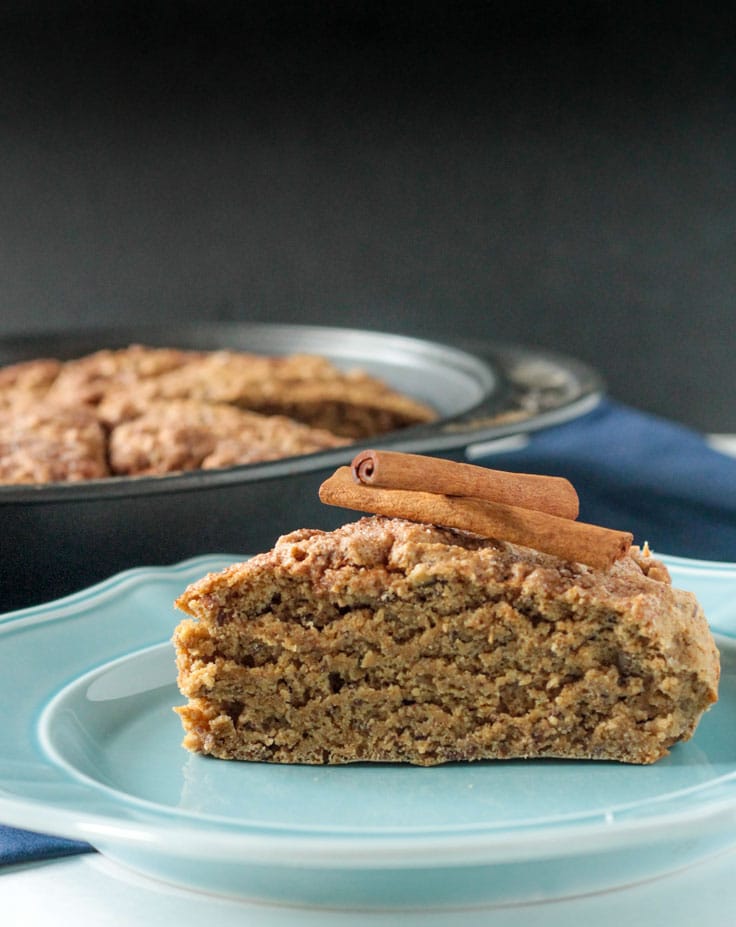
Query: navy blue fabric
point(639, 473)
point(23, 846)
point(632, 471)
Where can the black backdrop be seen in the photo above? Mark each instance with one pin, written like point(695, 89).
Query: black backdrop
point(560, 174)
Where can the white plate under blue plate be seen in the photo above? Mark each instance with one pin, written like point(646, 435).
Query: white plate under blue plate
point(91, 750)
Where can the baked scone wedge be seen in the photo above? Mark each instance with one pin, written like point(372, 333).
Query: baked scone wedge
point(391, 641)
point(185, 434)
point(40, 443)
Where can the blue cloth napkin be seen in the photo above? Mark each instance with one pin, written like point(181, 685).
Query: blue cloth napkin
point(636, 472)
point(24, 846)
point(632, 471)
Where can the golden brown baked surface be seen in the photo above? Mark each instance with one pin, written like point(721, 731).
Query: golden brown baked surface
point(262, 408)
point(87, 380)
point(185, 434)
point(306, 388)
point(42, 445)
point(24, 384)
point(392, 641)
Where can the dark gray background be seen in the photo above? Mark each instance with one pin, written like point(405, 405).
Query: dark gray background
point(558, 174)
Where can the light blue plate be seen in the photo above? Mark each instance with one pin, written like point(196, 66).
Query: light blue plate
point(92, 751)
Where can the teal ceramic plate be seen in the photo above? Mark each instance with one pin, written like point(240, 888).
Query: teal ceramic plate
point(92, 751)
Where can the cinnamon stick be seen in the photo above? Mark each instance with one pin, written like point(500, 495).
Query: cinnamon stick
point(570, 540)
point(395, 470)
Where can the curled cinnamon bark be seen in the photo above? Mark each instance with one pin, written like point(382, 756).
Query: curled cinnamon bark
point(576, 541)
point(395, 470)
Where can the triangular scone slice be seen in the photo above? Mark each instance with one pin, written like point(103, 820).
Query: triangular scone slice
point(391, 641)
point(184, 434)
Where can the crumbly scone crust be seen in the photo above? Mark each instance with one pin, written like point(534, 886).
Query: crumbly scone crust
point(184, 434)
point(40, 444)
point(87, 380)
point(303, 387)
point(392, 641)
point(24, 384)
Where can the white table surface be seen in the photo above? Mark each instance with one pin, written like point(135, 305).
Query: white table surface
point(91, 890)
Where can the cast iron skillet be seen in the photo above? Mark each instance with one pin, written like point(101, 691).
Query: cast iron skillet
point(58, 538)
